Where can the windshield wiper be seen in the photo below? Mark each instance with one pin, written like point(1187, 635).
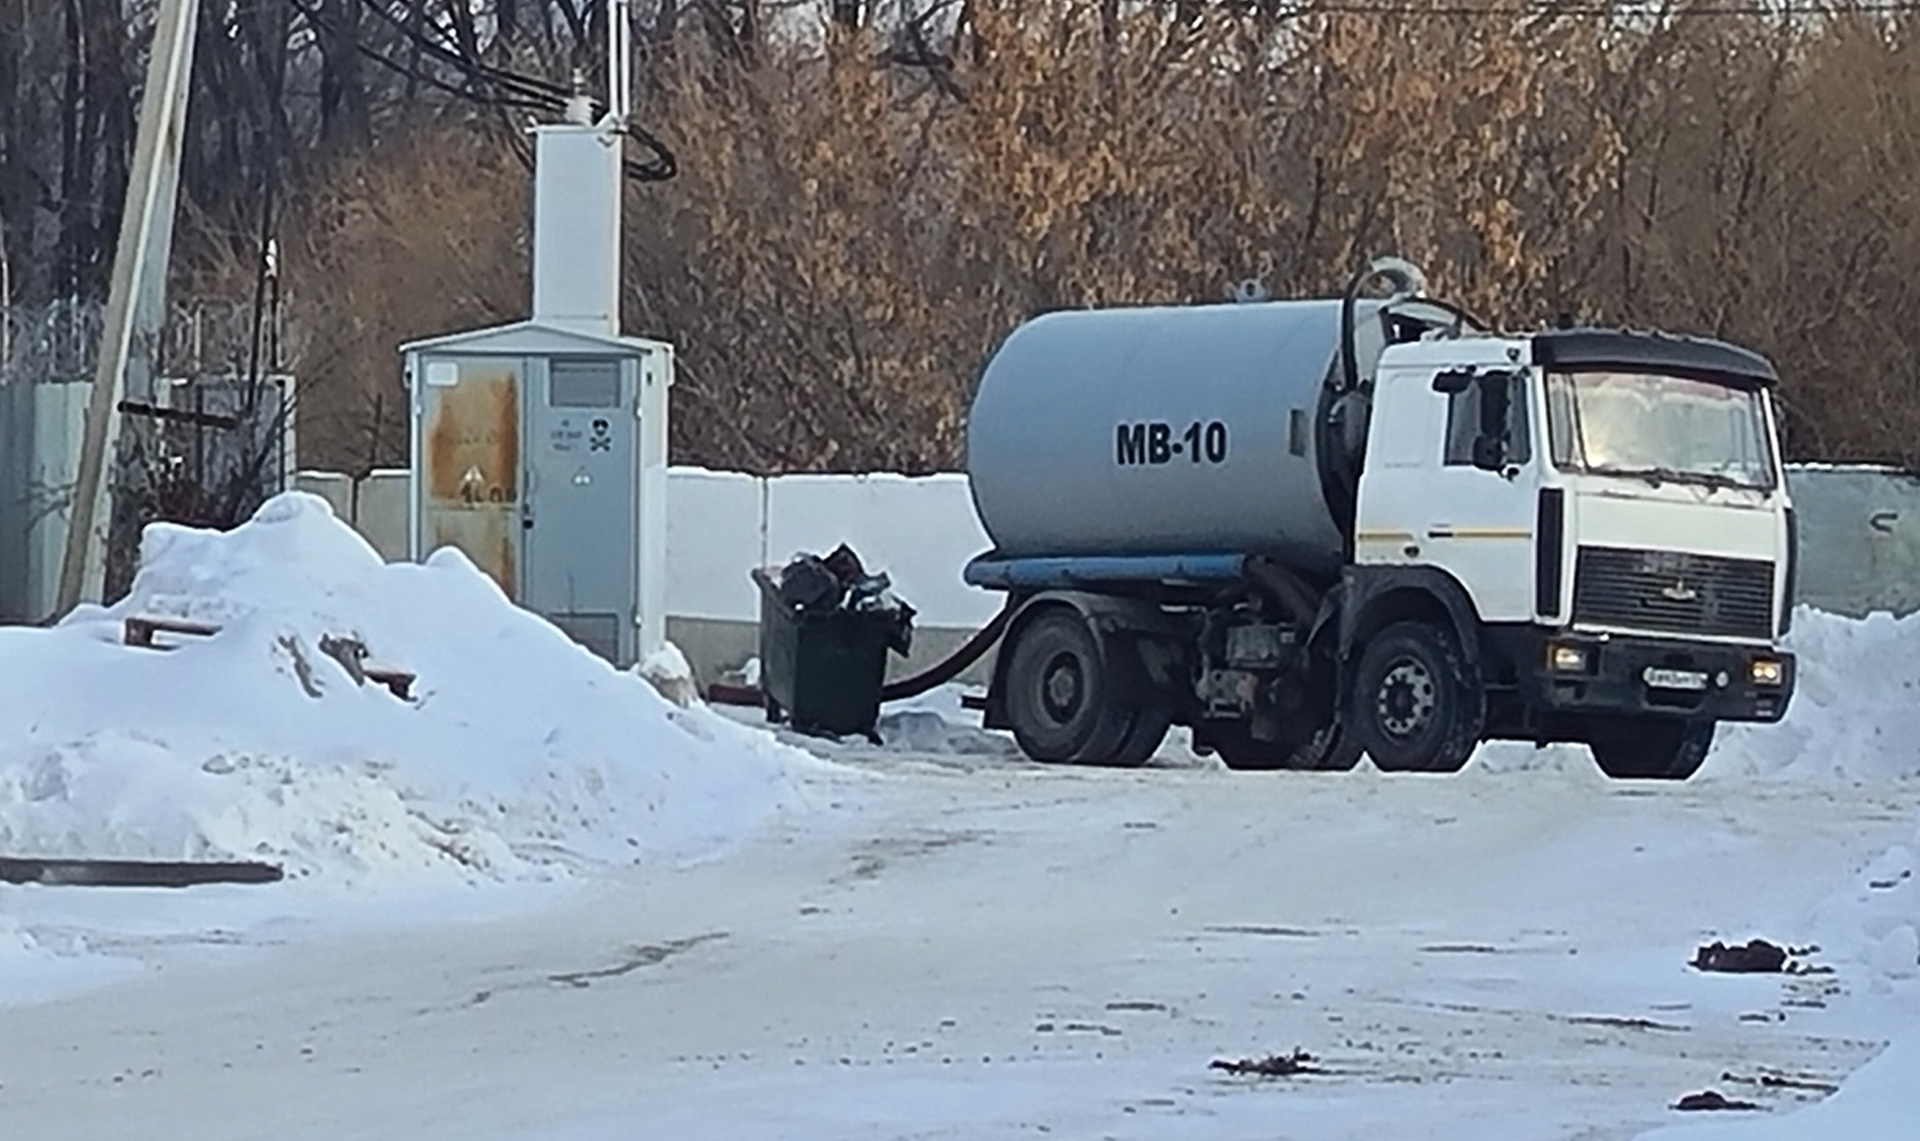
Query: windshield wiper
point(1658, 475)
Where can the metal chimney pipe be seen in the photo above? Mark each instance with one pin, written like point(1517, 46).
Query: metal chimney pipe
point(620, 62)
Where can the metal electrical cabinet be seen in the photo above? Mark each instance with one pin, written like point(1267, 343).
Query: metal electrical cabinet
point(540, 452)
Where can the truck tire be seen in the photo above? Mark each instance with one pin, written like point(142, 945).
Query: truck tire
point(1650, 748)
point(1331, 750)
point(1063, 698)
point(1416, 705)
point(1147, 729)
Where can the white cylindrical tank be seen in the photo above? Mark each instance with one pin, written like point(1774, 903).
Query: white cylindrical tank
point(1168, 430)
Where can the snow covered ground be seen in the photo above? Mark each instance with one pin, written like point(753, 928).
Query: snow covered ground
point(540, 900)
point(943, 952)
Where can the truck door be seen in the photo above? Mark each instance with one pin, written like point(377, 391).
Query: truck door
point(1478, 524)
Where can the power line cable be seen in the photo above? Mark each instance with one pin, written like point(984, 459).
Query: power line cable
point(513, 91)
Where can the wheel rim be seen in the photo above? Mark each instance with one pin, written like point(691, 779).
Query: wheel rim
point(1063, 687)
point(1407, 699)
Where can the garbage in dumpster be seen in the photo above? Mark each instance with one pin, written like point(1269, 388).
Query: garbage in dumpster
point(840, 581)
point(826, 626)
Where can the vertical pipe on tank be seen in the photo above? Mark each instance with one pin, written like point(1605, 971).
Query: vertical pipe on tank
point(1338, 462)
point(1407, 281)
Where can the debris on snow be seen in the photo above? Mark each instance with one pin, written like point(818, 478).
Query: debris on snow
point(1767, 1079)
point(650, 955)
point(1875, 1103)
point(1711, 1100)
point(1622, 1022)
point(1757, 955)
point(1271, 1066)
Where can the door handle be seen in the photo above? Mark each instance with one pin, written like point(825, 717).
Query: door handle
point(1883, 521)
point(1446, 531)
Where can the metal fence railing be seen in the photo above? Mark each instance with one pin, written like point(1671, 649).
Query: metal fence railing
point(59, 342)
point(49, 344)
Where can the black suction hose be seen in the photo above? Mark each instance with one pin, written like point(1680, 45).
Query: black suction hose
point(933, 677)
point(939, 674)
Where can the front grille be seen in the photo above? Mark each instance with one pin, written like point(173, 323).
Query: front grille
point(1673, 592)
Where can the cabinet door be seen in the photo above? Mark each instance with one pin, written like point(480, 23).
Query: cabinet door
point(582, 480)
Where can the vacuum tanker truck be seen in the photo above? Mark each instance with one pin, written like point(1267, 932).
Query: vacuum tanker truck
point(1313, 529)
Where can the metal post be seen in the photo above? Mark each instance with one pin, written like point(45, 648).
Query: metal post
point(136, 297)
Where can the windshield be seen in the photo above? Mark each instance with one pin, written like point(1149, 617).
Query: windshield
point(1659, 428)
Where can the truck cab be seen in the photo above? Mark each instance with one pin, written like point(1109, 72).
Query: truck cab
point(1610, 508)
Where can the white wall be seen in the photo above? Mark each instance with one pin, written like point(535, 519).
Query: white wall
point(381, 510)
point(716, 533)
point(1859, 538)
point(920, 531)
point(334, 487)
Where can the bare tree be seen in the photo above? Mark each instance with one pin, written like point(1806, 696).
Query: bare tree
point(869, 196)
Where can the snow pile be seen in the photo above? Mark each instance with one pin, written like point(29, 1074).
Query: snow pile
point(1877, 921)
point(14, 943)
point(519, 754)
point(666, 669)
point(1854, 711)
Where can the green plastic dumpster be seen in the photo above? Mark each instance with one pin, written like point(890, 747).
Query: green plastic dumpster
point(821, 669)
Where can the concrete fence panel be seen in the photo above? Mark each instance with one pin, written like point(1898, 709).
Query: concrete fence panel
point(1859, 538)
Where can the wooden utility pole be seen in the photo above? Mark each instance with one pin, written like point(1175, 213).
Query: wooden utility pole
point(137, 295)
point(6, 301)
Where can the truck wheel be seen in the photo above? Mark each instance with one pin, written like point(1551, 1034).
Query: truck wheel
point(1415, 706)
point(1651, 748)
point(1061, 697)
point(1146, 729)
point(1331, 750)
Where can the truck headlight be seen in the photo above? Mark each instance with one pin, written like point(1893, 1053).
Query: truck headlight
point(1565, 659)
point(1766, 671)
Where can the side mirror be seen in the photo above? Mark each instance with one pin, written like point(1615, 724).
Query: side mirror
point(1491, 447)
point(1453, 381)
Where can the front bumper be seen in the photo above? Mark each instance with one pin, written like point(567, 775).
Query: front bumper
point(1630, 674)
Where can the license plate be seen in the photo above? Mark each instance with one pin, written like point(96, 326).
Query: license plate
point(1674, 679)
